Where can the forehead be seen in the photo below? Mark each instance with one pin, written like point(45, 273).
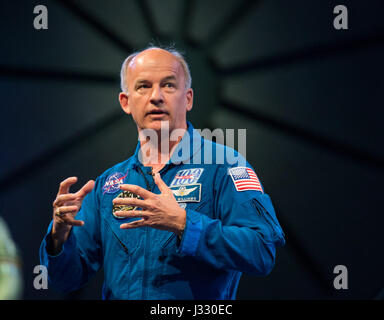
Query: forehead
point(154, 64)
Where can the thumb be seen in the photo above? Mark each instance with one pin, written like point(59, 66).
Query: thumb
point(160, 183)
point(87, 188)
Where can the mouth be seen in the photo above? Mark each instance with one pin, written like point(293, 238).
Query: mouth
point(157, 112)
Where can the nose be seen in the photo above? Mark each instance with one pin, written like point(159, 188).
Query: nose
point(157, 96)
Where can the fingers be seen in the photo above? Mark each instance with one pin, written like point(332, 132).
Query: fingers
point(63, 198)
point(87, 188)
point(73, 222)
point(132, 214)
point(133, 224)
point(161, 184)
point(145, 194)
point(66, 184)
point(64, 216)
point(131, 201)
point(66, 209)
point(66, 204)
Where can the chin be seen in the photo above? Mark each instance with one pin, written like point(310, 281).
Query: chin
point(157, 124)
point(154, 125)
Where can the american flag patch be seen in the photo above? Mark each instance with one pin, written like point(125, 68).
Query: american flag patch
point(245, 179)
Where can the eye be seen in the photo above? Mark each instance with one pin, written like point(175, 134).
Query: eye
point(169, 85)
point(142, 86)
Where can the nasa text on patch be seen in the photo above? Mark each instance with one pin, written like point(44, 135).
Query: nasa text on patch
point(186, 177)
point(113, 182)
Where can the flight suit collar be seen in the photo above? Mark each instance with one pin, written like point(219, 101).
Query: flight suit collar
point(188, 146)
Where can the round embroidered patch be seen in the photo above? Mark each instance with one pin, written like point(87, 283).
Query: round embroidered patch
point(119, 207)
point(113, 182)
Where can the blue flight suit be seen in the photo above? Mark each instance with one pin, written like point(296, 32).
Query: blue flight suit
point(227, 231)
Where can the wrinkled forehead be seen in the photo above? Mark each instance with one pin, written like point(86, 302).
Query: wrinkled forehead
point(154, 62)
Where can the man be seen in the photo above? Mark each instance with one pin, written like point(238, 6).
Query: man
point(162, 226)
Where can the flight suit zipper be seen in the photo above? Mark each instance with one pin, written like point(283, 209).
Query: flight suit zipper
point(145, 287)
point(147, 239)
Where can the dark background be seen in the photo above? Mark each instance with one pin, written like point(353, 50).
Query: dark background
point(310, 97)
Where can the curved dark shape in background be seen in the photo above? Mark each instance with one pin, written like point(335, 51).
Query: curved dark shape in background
point(309, 96)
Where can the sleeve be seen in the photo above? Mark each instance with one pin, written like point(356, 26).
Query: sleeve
point(80, 257)
point(244, 233)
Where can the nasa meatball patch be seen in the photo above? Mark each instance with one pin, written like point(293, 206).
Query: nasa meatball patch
point(113, 182)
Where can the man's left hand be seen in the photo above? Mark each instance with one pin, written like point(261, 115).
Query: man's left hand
point(160, 211)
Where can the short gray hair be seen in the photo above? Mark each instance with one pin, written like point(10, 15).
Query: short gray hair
point(179, 56)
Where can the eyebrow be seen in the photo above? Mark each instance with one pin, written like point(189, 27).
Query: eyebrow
point(164, 80)
point(141, 81)
point(169, 78)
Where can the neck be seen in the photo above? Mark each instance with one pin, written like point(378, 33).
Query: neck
point(157, 149)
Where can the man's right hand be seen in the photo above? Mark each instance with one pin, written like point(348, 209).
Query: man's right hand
point(65, 208)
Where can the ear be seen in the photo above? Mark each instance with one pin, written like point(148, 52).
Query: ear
point(189, 99)
point(123, 99)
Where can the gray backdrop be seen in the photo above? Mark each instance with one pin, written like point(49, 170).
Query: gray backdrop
point(310, 97)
